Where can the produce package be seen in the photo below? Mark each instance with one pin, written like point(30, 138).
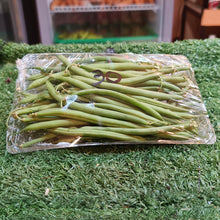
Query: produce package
point(85, 99)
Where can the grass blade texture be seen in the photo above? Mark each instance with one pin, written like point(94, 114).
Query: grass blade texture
point(114, 182)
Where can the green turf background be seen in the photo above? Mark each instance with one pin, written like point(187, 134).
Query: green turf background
point(136, 182)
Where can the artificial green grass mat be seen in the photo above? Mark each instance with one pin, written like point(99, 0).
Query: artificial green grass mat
point(136, 182)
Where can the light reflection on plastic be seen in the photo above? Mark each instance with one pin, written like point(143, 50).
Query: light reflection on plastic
point(69, 100)
point(75, 142)
point(90, 105)
point(109, 60)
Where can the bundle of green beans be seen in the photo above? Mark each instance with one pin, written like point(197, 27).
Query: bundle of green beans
point(106, 99)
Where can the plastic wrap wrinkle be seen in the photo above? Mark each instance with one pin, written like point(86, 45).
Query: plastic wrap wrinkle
point(192, 100)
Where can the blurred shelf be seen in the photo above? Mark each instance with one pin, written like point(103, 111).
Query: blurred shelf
point(54, 15)
point(111, 39)
point(104, 8)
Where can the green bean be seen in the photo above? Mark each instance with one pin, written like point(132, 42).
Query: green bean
point(129, 90)
point(161, 104)
point(122, 97)
point(74, 82)
point(109, 100)
point(34, 141)
point(61, 85)
point(35, 97)
point(38, 82)
point(93, 133)
point(26, 94)
point(54, 94)
point(166, 112)
point(151, 88)
point(35, 119)
point(54, 69)
point(102, 58)
point(131, 79)
point(185, 133)
point(183, 84)
point(162, 84)
point(53, 124)
point(166, 70)
point(35, 77)
point(137, 73)
point(78, 115)
point(185, 115)
point(122, 73)
point(27, 110)
point(172, 120)
point(41, 81)
point(150, 120)
point(122, 66)
point(73, 68)
point(138, 79)
point(135, 131)
point(80, 84)
point(43, 102)
point(95, 110)
point(173, 79)
point(124, 89)
point(107, 113)
point(137, 66)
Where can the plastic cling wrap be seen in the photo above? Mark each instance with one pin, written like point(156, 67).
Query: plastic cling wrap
point(84, 99)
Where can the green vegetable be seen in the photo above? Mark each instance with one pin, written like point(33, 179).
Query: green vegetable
point(93, 133)
point(82, 116)
point(138, 79)
point(94, 110)
point(129, 90)
point(27, 110)
point(122, 66)
point(161, 84)
point(34, 141)
point(128, 110)
point(122, 97)
point(52, 124)
point(134, 131)
point(102, 58)
point(75, 102)
point(41, 81)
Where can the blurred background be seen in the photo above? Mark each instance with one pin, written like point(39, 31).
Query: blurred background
point(93, 21)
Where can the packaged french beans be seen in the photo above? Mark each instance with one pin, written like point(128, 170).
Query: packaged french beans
point(85, 99)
